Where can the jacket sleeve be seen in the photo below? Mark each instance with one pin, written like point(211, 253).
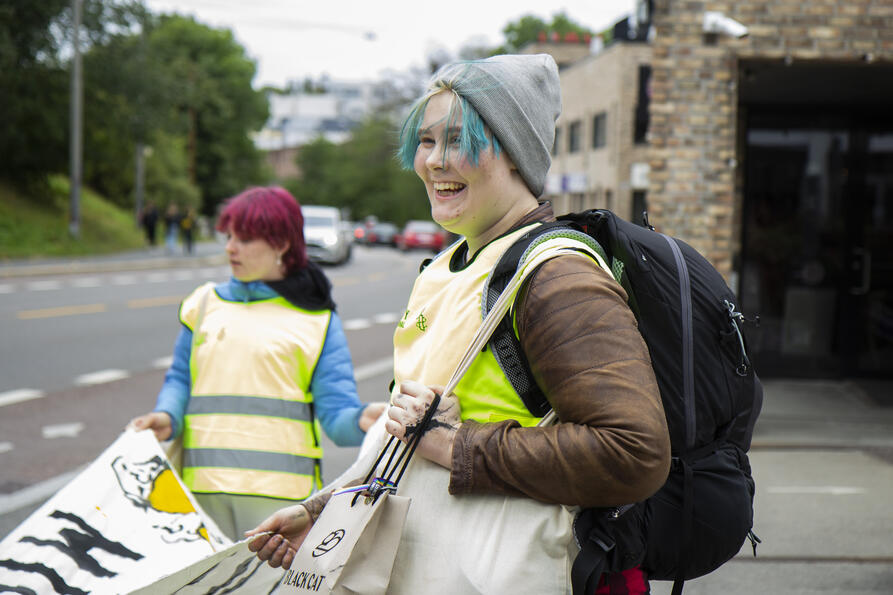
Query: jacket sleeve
point(335, 390)
point(611, 446)
point(174, 394)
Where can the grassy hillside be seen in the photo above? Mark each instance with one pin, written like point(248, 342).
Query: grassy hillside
point(32, 229)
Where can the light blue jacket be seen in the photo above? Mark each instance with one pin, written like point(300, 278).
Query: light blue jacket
point(333, 386)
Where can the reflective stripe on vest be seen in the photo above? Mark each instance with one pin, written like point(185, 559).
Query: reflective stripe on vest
point(442, 316)
point(249, 426)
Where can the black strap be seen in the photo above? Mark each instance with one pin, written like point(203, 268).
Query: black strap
point(688, 391)
point(591, 562)
point(407, 451)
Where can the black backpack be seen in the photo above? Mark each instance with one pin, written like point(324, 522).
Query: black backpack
point(690, 321)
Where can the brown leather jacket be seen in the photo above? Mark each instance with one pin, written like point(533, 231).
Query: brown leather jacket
point(612, 446)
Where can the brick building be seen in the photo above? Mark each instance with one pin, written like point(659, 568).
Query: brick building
point(769, 149)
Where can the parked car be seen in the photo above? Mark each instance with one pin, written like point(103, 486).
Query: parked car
point(382, 234)
point(327, 238)
point(425, 235)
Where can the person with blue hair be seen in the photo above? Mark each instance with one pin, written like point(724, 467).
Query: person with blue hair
point(495, 488)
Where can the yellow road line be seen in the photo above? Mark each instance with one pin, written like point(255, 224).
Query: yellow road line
point(155, 301)
point(61, 311)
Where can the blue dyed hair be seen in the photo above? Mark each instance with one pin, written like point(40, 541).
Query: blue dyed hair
point(474, 136)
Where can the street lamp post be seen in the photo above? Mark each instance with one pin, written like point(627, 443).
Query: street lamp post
point(76, 147)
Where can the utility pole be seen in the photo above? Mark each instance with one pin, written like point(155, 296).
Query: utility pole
point(76, 148)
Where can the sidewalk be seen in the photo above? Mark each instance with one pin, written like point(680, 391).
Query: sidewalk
point(206, 253)
point(822, 458)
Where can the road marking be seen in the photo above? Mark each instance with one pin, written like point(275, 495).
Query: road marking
point(376, 276)
point(87, 282)
point(373, 369)
point(43, 285)
point(124, 280)
point(61, 311)
point(20, 395)
point(37, 492)
point(821, 490)
point(357, 324)
point(6, 288)
point(156, 277)
point(184, 275)
point(345, 281)
point(100, 377)
point(6, 447)
point(163, 363)
point(62, 430)
point(389, 318)
point(167, 300)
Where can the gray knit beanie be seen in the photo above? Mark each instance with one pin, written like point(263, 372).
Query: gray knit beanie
point(519, 98)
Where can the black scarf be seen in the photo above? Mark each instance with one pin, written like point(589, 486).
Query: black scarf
point(307, 288)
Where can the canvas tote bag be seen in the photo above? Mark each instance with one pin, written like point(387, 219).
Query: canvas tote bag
point(352, 545)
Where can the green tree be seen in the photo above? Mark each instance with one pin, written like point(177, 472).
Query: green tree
point(209, 77)
point(34, 87)
point(528, 28)
point(361, 174)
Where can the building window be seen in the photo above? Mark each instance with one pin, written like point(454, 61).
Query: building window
point(573, 136)
point(640, 129)
point(599, 130)
point(557, 142)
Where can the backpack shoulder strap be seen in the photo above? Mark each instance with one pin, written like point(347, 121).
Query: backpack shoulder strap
point(504, 343)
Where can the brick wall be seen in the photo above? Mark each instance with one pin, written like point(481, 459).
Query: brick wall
point(695, 182)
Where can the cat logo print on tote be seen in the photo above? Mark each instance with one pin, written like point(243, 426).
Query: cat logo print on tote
point(328, 543)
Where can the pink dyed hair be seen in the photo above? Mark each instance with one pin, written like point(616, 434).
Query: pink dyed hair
point(271, 214)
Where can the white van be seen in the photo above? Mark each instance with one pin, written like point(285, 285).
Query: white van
point(324, 235)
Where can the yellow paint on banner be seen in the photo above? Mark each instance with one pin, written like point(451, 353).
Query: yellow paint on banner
point(168, 496)
point(61, 311)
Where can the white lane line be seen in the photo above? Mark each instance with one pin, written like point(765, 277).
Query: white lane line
point(821, 490)
point(6, 288)
point(388, 318)
point(184, 275)
point(157, 277)
point(6, 447)
point(100, 377)
point(87, 282)
point(373, 369)
point(62, 430)
point(163, 363)
point(357, 324)
point(124, 280)
point(19, 395)
point(43, 285)
point(37, 492)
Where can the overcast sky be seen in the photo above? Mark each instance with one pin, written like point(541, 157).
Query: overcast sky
point(294, 39)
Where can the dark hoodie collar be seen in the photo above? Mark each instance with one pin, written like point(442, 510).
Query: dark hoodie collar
point(307, 288)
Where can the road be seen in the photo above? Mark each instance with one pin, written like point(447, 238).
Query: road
point(82, 354)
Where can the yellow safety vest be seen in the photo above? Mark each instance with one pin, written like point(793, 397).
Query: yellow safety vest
point(249, 427)
point(444, 312)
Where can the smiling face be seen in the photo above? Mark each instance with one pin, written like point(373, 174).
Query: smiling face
point(480, 201)
point(253, 260)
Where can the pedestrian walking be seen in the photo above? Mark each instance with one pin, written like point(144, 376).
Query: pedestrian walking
point(171, 227)
point(187, 227)
point(493, 490)
point(149, 221)
point(260, 365)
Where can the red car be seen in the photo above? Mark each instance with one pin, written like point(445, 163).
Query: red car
point(425, 235)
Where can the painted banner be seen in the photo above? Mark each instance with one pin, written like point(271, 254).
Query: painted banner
point(121, 524)
point(233, 570)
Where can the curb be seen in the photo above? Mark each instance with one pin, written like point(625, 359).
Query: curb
point(80, 267)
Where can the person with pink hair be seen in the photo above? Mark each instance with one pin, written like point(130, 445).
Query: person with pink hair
point(260, 366)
